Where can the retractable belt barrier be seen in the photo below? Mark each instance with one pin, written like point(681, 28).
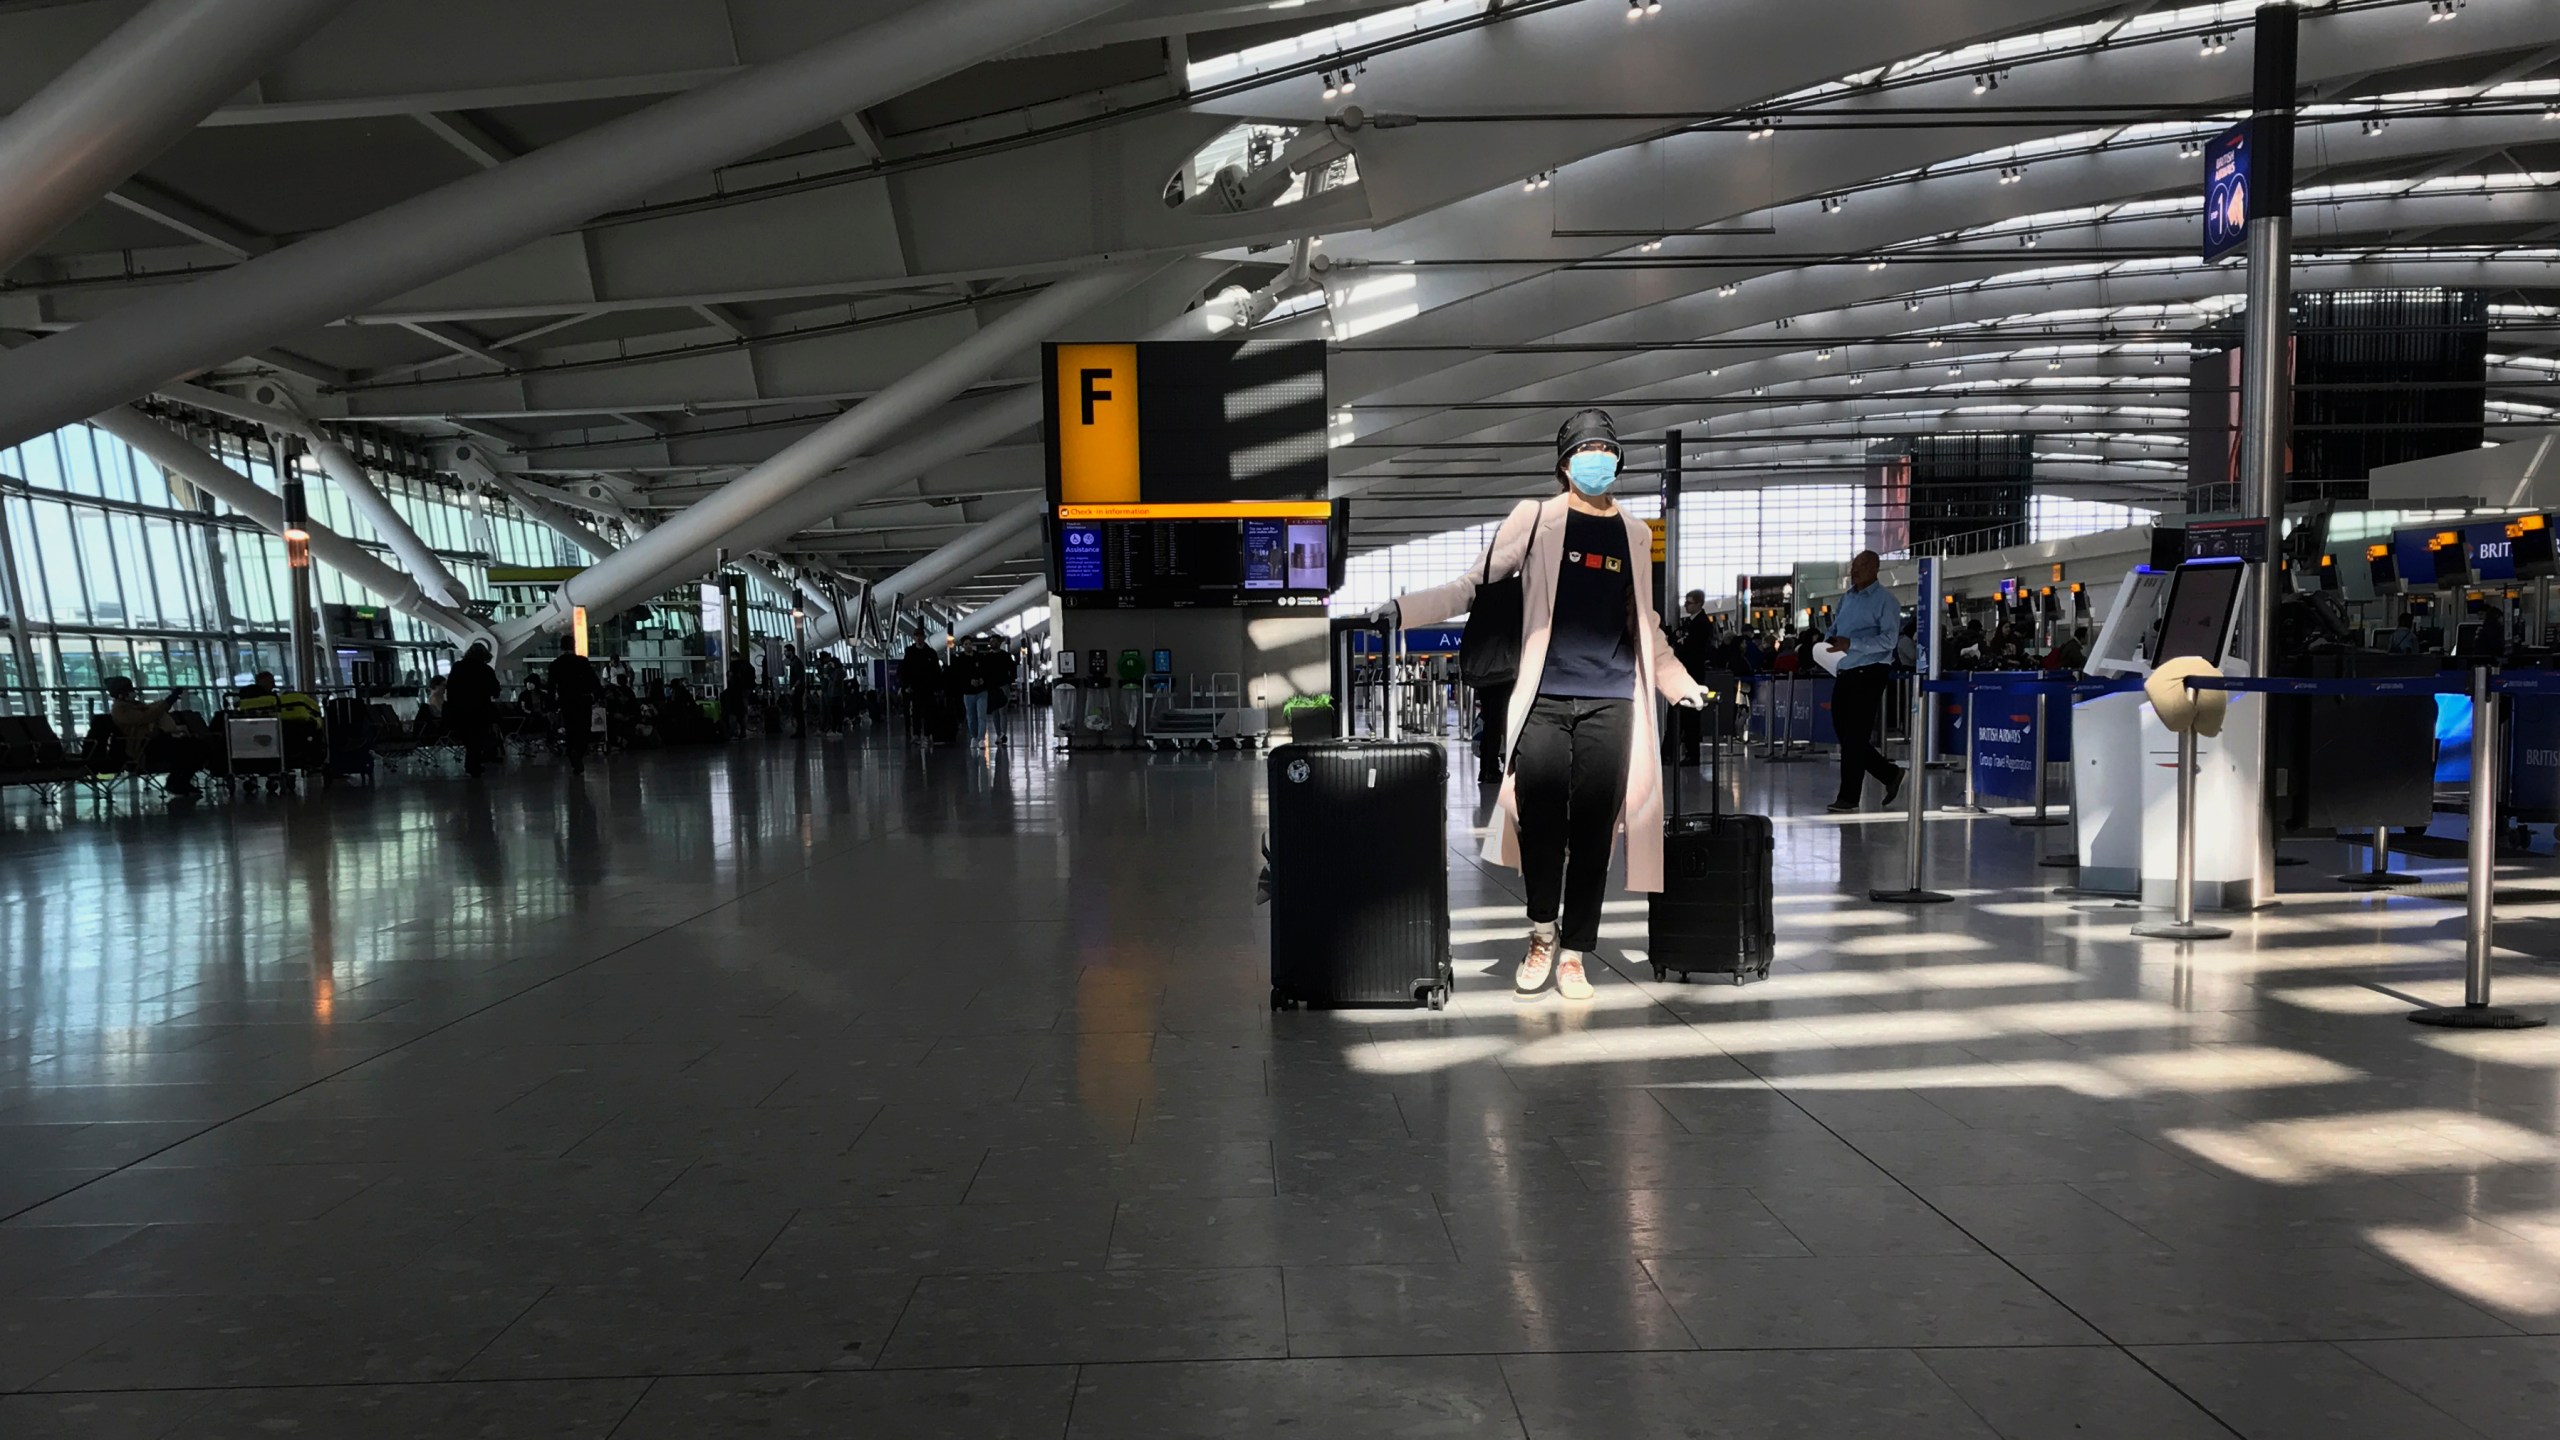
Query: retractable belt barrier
point(1970, 686)
point(2483, 685)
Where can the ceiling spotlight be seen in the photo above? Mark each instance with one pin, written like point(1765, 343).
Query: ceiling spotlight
point(1955, 369)
point(2028, 240)
point(1834, 204)
point(2190, 148)
point(2374, 125)
point(1875, 264)
point(2012, 174)
point(1351, 77)
point(1855, 379)
point(1821, 354)
point(2054, 364)
point(1911, 305)
point(2443, 10)
point(2552, 114)
point(1760, 127)
point(1728, 291)
point(2216, 42)
point(1332, 86)
point(1935, 342)
point(1786, 322)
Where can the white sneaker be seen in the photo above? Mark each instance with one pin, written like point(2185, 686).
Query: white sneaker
point(1571, 983)
point(1539, 963)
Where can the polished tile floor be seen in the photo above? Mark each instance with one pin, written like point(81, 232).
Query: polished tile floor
point(833, 1091)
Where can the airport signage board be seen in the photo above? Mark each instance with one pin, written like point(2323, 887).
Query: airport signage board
point(2226, 193)
point(2004, 736)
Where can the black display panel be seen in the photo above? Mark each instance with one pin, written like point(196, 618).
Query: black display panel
point(1220, 421)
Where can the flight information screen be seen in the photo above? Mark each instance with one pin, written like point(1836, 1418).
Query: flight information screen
point(1190, 473)
point(1172, 564)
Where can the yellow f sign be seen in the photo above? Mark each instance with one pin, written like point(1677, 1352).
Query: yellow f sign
point(1097, 424)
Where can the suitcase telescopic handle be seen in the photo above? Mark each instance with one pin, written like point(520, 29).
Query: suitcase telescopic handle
point(1394, 653)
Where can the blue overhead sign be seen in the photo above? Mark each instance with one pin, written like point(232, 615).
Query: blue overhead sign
point(2226, 192)
point(2491, 549)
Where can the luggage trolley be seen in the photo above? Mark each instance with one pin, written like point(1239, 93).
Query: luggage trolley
point(254, 747)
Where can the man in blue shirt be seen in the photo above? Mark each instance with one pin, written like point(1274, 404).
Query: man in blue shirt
point(1863, 631)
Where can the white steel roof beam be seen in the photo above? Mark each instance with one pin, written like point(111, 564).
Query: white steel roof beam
point(210, 321)
point(108, 113)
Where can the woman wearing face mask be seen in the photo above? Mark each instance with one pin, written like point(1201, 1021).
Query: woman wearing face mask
point(1580, 731)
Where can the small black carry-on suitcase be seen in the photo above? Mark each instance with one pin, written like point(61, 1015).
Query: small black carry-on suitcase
point(350, 729)
point(1717, 911)
point(1359, 872)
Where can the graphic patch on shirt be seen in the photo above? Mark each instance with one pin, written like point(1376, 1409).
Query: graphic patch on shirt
point(1616, 564)
point(1574, 556)
point(1593, 561)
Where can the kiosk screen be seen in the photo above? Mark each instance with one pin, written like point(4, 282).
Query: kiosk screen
point(2197, 621)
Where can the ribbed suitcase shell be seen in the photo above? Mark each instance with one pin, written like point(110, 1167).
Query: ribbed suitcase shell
point(1359, 873)
point(1716, 913)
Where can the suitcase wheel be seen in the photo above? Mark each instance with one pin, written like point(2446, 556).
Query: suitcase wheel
point(1280, 999)
point(1660, 974)
point(1435, 996)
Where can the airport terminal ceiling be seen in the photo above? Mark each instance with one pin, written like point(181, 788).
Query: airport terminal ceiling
point(1793, 232)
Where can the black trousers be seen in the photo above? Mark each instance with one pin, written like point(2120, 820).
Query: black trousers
point(1569, 775)
point(577, 728)
point(1857, 699)
point(1493, 716)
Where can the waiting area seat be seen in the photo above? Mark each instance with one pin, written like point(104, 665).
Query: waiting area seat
point(33, 756)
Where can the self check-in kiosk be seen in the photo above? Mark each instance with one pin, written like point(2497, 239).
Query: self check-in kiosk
point(2128, 812)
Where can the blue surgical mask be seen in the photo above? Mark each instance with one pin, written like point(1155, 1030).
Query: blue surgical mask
point(1593, 472)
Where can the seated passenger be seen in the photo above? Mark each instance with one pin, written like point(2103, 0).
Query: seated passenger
point(152, 740)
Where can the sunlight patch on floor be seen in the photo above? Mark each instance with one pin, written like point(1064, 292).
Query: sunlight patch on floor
point(2391, 1142)
point(2522, 1276)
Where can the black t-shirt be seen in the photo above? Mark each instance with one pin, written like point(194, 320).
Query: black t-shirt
point(1591, 650)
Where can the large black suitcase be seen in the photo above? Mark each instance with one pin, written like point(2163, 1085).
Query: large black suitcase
point(1716, 913)
point(1359, 873)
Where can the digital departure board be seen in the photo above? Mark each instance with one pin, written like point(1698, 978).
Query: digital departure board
point(1190, 473)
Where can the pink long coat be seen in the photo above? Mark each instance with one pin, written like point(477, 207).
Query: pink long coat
point(1640, 814)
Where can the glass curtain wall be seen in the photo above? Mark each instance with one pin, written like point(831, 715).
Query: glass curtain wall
point(1724, 534)
point(110, 566)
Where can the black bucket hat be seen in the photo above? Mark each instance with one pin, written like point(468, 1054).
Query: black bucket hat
point(1583, 428)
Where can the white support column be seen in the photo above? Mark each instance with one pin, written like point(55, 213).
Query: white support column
point(1001, 538)
point(765, 575)
point(127, 100)
point(988, 616)
point(675, 549)
point(272, 406)
point(348, 475)
point(468, 462)
point(173, 451)
point(146, 344)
